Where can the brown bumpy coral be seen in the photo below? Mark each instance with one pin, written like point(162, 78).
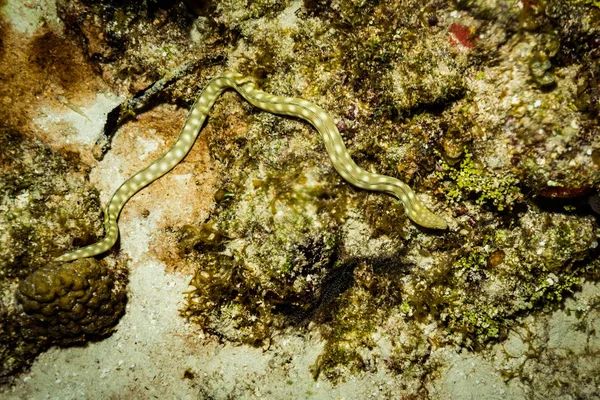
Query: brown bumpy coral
point(70, 302)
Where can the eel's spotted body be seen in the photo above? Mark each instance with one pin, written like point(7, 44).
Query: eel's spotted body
point(294, 107)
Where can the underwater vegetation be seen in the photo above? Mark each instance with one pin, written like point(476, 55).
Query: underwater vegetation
point(54, 304)
point(488, 109)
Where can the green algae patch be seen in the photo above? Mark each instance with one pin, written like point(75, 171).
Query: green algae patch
point(470, 180)
point(539, 266)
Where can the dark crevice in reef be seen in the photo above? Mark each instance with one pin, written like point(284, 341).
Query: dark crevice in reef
point(586, 203)
point(148, 98)
point(335, 283)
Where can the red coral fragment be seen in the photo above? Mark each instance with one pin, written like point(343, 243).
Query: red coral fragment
point(462, 35)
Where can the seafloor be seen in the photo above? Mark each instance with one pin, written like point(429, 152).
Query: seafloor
point(252, 269)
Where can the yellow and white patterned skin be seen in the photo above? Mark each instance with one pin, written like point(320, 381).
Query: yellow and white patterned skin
point(294, 107)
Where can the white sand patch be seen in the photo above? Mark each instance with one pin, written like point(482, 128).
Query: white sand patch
point(86, 125)
point(27, 16)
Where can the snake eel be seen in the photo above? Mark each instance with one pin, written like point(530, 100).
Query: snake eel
point(294, 107)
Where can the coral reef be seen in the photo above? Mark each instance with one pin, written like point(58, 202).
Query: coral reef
point(489, 109)
point(285, 220)
point(70, 302)
point(47, 206)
